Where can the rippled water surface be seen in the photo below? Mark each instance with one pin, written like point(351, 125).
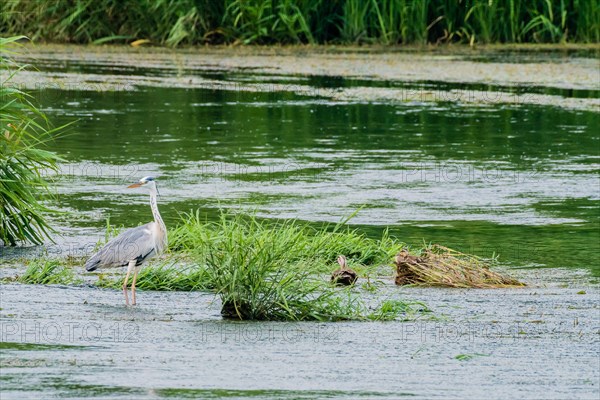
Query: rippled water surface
point(518, 180)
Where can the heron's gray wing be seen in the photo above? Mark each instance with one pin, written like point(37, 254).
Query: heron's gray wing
point(133, 244)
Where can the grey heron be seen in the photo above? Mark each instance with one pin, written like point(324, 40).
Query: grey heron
point(134, 246)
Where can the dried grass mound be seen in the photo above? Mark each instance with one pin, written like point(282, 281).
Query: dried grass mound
point(441, 266)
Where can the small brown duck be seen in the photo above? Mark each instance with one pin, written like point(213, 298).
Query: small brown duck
point(343, 276)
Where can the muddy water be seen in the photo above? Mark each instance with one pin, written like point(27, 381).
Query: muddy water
point(421, 156)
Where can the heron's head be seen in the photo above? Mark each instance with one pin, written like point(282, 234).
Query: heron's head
point(146, 182)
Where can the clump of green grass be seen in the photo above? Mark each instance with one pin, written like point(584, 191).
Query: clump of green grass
point(322, 246)
point(259, 274)
point(48, 272)
point(24, 131)
point(265, 271)
point(164, 278)
point(393, 309)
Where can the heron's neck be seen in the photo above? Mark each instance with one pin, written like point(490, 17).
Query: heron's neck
point(155, 213)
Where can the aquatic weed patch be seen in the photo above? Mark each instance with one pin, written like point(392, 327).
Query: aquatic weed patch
point(48, 272)
point(163, 277)
point(265, 271)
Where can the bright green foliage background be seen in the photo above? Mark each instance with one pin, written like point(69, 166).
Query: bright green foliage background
point(180, 22)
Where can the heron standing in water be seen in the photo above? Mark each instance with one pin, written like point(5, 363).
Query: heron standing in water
point(134, 246)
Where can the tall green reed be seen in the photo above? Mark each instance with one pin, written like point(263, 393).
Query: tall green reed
point(184, 22)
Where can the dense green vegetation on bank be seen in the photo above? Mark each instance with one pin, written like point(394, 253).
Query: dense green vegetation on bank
point(182, 22)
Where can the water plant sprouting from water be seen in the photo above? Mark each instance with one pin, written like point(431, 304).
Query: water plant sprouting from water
point(280, 271)
point(48, 272)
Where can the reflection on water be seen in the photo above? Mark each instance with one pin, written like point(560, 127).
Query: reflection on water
point(511, 180)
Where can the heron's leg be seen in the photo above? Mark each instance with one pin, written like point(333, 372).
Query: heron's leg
point(135, 274)
point(129, 268)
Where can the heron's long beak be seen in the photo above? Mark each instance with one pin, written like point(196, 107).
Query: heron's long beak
point(134, 186)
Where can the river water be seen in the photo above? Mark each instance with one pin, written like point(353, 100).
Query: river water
point(487, 177)
point(518, 180)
